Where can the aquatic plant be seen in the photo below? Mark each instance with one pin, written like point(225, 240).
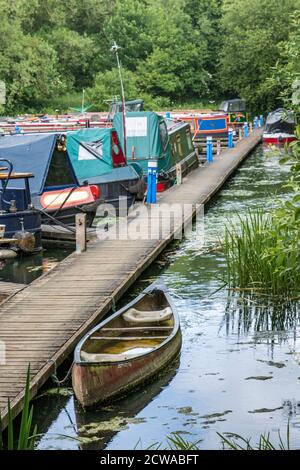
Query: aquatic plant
point(27, 436)
point(237, 442)
point(263, 253)
point(175, 442)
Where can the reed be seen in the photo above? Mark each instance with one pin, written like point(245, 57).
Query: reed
point(26, 437)
point(234, 441)
point(262, 254)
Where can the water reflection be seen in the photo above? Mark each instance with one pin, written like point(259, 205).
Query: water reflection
point(26, 269)
point(239, 368)
point(253, 312)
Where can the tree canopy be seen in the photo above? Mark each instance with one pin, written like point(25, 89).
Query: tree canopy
point(172, 51)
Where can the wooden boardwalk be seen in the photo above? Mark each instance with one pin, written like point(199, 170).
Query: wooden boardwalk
point(42, 323)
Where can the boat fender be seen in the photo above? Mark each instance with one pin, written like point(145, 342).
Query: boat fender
point(26, 241)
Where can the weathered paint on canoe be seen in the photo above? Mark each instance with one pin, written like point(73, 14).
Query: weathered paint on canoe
point(95, 382)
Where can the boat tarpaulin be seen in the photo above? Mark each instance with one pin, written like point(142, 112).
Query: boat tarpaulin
point(90, 152)
point(29, 153)
point(280, 120)
point(142, 133)
point(146, 138)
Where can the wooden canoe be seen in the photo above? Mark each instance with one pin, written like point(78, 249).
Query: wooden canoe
point(127, 348)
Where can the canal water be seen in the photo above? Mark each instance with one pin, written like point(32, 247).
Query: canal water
point(25, 269)
point(238, 371)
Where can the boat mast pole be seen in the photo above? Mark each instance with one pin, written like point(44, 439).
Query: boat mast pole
point(115, 49)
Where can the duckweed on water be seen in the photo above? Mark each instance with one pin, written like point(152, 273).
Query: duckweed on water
point(115, 424)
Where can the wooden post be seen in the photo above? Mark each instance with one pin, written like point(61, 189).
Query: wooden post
point(250, 127)
point(80, 233)
point(178, 173)
point(240, 133)
point(218, 147)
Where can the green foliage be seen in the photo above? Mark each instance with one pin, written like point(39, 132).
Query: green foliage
point(234, 441)
point(172, 51)
point(255, 32)
point(285, 77)
point(27, 436)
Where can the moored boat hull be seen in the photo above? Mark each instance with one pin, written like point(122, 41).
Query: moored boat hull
point(127, 349)
point(101, 383)
point(278, 138)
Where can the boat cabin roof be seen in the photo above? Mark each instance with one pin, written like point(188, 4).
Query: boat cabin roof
point(41, 155)
point(234, 105)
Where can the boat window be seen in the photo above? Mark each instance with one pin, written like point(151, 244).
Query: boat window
point(224, 106)
point(189, 139)
point(179, 145)
point(174, 148)
point(163, 134)
point(237, 106)
point(59, 173)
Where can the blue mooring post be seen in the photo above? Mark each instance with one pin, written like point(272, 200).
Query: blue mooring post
point(255, 122)
point(151, 191)
point(149, 184)
point(261, 120)
point(246, 130)
point(17, 129)
point(168, 115)
point(209, 149)
point(230, 138)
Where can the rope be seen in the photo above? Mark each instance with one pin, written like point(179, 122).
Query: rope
point(54, 377)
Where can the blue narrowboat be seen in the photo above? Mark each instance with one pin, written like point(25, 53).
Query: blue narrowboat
point(19, 220)
point(55, 191)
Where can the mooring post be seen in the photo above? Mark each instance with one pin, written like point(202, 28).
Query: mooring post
point(255, 122)
point(151, 191)
point(80, 232)
point(230, 138)
point(178, 173)
point(261, 120)
point(149, 183)
point(246, 131)
point(209, 148)
point(240, 133)
point(250, 127)
point(218, 147)
point(168, 115)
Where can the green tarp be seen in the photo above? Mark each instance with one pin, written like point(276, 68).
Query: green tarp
point(90, 152)
point(146, 138)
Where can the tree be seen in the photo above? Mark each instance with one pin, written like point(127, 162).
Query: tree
point(252, 37)
point(28, 64)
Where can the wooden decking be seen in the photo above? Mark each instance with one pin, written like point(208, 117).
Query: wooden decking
point(42, 323)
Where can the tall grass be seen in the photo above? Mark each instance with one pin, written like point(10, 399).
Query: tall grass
point(261, 254)
point(27, 436)
point(234, 441)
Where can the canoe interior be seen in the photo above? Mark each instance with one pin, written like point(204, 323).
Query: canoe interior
point(120, 339)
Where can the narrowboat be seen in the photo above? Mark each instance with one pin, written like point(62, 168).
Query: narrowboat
point(55, 190)
point(20, 222)
point(151, 137)
point(127, 348)
point(205, 124)
point(97, 158)
point(236, 111)
point(280, 127)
